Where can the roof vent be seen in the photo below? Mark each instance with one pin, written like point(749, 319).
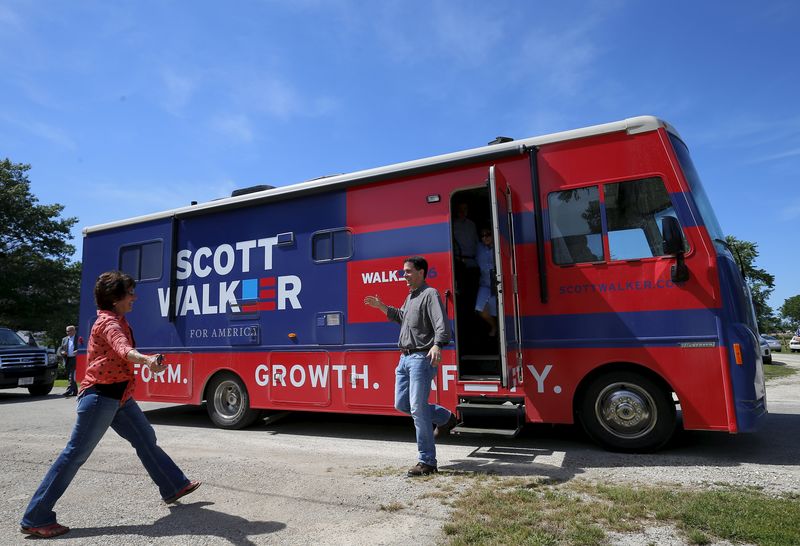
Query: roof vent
point(251, 189)
point(500, 140)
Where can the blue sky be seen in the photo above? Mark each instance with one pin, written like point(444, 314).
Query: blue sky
point(130, 107)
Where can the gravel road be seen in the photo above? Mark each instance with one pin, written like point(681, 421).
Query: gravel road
point(339, 479)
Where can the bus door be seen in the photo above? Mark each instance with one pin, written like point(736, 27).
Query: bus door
point(505, 280)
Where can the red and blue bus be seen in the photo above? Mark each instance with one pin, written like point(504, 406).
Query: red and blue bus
point(619, 303)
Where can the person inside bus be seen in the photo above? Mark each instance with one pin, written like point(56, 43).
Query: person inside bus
point(486, 300)
point(424, 330)
point(465, 243)
point(105, 400)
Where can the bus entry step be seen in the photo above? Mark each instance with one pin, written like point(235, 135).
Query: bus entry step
point(506, 432)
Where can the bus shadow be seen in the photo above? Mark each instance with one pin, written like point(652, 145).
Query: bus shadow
point(561, 453)
point(558, 452)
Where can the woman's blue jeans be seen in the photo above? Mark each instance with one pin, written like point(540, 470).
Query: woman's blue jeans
point(412, 388)
point(95, 414)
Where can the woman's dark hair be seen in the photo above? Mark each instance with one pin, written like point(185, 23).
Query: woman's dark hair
point(419, 263)
point(111, 287)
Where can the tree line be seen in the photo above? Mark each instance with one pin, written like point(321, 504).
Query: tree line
point(40, 286)
point(761, 284)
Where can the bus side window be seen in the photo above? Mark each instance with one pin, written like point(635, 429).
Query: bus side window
point(575, 226)
point(332, 245)
point(143, 261)
point(633, 213)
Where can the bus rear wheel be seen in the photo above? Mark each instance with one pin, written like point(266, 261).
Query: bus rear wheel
point(627, 411)
point(228, 403)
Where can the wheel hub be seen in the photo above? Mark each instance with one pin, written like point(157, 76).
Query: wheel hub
point(625, 410)
point(228, 401)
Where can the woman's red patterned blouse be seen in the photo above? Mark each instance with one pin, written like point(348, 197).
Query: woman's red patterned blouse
point(109, 344)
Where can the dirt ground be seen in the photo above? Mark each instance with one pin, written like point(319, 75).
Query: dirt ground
point(338, 479)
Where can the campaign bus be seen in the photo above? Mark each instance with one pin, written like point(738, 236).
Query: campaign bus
point(619, 302)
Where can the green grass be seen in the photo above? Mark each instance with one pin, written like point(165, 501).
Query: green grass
point(774, 371)
point(60, 382)
point(516, 511)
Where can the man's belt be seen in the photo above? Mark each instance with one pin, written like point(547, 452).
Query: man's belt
point(407, 352)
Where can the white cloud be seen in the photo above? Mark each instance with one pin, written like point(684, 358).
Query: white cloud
point(775, 157)
point(790, 212)
point(53, 134)
point(8, 17)
point(278, 98)
point(440, 30)
point(235, 126)
point(178, 91)
point(558, 55)
point(50, 133)
point(564, 60)
point(749, 132)
point(146, 197)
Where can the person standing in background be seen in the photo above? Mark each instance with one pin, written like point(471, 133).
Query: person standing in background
point(68, 350)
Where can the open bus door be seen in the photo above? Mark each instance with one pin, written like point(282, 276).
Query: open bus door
point(500, 415)
point(505, 279)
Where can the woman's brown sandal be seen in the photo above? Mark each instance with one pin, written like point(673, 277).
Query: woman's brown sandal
point(45, 531)
point(188, 488)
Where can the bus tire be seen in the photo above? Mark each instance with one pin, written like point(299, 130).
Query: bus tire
point(629, 412)
point(228, 403)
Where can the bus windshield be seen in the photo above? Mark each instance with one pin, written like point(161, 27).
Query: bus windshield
point(698, 192)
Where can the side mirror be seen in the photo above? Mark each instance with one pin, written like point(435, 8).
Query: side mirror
point(671, 233)
point(673, 244)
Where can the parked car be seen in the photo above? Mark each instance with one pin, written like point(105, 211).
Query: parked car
point(794, 344)
point(31, 339)
point(24, 365)
point(766, 354)
point(773, 342)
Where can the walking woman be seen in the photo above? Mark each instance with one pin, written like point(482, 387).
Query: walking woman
point(105, 400)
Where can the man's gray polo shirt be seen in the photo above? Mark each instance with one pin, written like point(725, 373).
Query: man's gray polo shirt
point(422, 319)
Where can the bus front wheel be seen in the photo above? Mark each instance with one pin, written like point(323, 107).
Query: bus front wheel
point(228, 403)
point(627, 411)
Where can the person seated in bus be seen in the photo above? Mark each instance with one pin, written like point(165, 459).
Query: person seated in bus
point(486, 300)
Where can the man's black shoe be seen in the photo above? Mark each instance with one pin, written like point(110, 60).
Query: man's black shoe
point(421, 469)
point(444, 430)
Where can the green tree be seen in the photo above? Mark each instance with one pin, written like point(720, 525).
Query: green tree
point(790, 310)
point(39, 286)
point(760, 282)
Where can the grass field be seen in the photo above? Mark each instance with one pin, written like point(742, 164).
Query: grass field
point(774, 371)
point(497, 511)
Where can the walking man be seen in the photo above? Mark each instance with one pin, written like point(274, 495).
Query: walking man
point(423, 332)
point(68, 350)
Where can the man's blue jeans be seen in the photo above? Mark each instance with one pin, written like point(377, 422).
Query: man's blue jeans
point(95, 414)
point(412, 389)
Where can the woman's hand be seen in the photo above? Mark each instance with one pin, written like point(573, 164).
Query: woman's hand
point(154, 362)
